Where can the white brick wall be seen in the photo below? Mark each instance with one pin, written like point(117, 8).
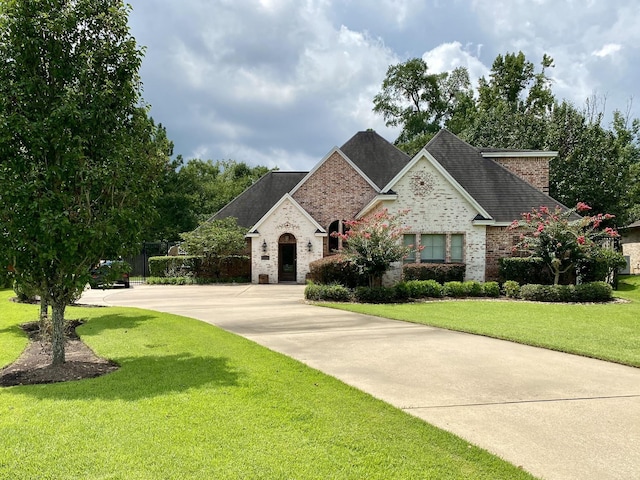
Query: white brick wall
point(437, 207)
point(287, 218)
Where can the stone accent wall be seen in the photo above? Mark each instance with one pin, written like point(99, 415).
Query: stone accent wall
point(436, 207)
point(500, 243)
point(534, 170)
point(335, 191)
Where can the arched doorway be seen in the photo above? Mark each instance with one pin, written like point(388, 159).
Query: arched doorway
point(287, 258)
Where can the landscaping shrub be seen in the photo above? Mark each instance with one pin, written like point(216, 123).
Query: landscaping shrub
point(454, 289)
point(491, 289)
point(424, 288)
point(601, 266)
point(586, 292)
point(524, 270)
point(440, 272)
point(225, 270)
point(403, 291)
point(336, 269)
point(172, 266)
point(473, 288)
point(330, 293)
point(511, 289)
point(594, 292)
point(375, 294)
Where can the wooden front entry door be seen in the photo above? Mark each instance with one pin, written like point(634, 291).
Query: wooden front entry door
point(287, 258)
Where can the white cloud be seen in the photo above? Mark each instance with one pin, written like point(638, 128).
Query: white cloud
point(607, 50)
point(448, 56)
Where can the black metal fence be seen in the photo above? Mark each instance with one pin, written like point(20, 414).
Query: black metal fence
point(140, 262)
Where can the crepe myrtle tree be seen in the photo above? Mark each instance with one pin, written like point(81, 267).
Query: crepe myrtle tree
point(78, 156)
point(561, 238)
point(373, 243)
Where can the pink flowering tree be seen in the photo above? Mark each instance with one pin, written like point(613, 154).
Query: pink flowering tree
point(561, 238)
point(375, 242)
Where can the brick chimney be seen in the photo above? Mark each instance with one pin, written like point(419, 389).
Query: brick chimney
point(530, 165)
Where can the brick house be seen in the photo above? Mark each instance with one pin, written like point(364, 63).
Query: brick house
point(461, 199)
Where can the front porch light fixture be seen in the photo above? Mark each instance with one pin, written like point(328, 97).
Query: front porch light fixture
point(264, 246)
point(309, 246)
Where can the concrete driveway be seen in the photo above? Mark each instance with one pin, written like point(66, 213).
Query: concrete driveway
point(557, 416)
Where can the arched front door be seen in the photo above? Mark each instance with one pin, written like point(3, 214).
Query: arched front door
point(287, 258)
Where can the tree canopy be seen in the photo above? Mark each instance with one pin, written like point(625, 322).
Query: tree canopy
point(78, 156)
point(193, 191)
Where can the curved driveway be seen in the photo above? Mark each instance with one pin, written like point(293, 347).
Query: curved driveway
point(558, 416)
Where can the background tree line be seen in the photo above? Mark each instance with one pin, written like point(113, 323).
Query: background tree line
point(515, 108)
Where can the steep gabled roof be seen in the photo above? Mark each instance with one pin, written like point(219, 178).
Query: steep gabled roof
point(378, 159)
point(504, 195)
point(251, 205)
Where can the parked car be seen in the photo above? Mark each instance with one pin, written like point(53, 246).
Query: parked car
point(110, 272)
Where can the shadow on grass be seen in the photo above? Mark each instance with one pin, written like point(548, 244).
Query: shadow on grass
point(115, 321)
point(144, 377)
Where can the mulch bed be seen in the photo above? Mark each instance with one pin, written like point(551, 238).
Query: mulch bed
point(34, 365)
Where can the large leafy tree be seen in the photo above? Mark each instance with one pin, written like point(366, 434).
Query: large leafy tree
point(195, 190)
point(78, 157)
point(513, 105)
point(593, 162)
point(422, 102)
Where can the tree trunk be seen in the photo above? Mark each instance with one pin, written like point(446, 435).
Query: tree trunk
point(57, 335)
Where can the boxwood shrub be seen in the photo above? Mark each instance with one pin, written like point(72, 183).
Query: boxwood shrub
point(330, 293)
point(375, 294)
point(424, 289)
point(586, 292)
point(511, 289)
point(440, 272)
point(491, 289)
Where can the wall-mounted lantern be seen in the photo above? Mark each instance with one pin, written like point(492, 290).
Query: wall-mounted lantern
point(264, 246)
point(309, 246)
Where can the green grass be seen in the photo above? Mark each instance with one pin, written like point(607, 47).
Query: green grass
point(606, 331)
point(191, 401)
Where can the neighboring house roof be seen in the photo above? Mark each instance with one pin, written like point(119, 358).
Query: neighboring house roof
point(251, 205)
point(504, 195)
point(376, 157)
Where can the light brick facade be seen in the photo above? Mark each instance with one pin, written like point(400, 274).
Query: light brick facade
point(437, 207)
point(287, 218)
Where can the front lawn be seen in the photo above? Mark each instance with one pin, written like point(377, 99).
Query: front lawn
point(191, 401)
point(605, 331)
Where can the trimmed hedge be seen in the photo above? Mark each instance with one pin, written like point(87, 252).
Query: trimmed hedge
point(375, 295)
point(586, 292)
point(336, 269)
point(511, 289)
point(440, 272)
point(334, 292)
point(172, 266)
point(232, 267)
point(423, 288)
point(524, 270)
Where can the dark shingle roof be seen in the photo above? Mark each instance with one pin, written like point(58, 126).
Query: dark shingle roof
point(251, 205)
point(501, 193)
point(376, 157)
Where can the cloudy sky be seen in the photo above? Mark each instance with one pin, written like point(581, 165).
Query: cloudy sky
point(280, 82)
